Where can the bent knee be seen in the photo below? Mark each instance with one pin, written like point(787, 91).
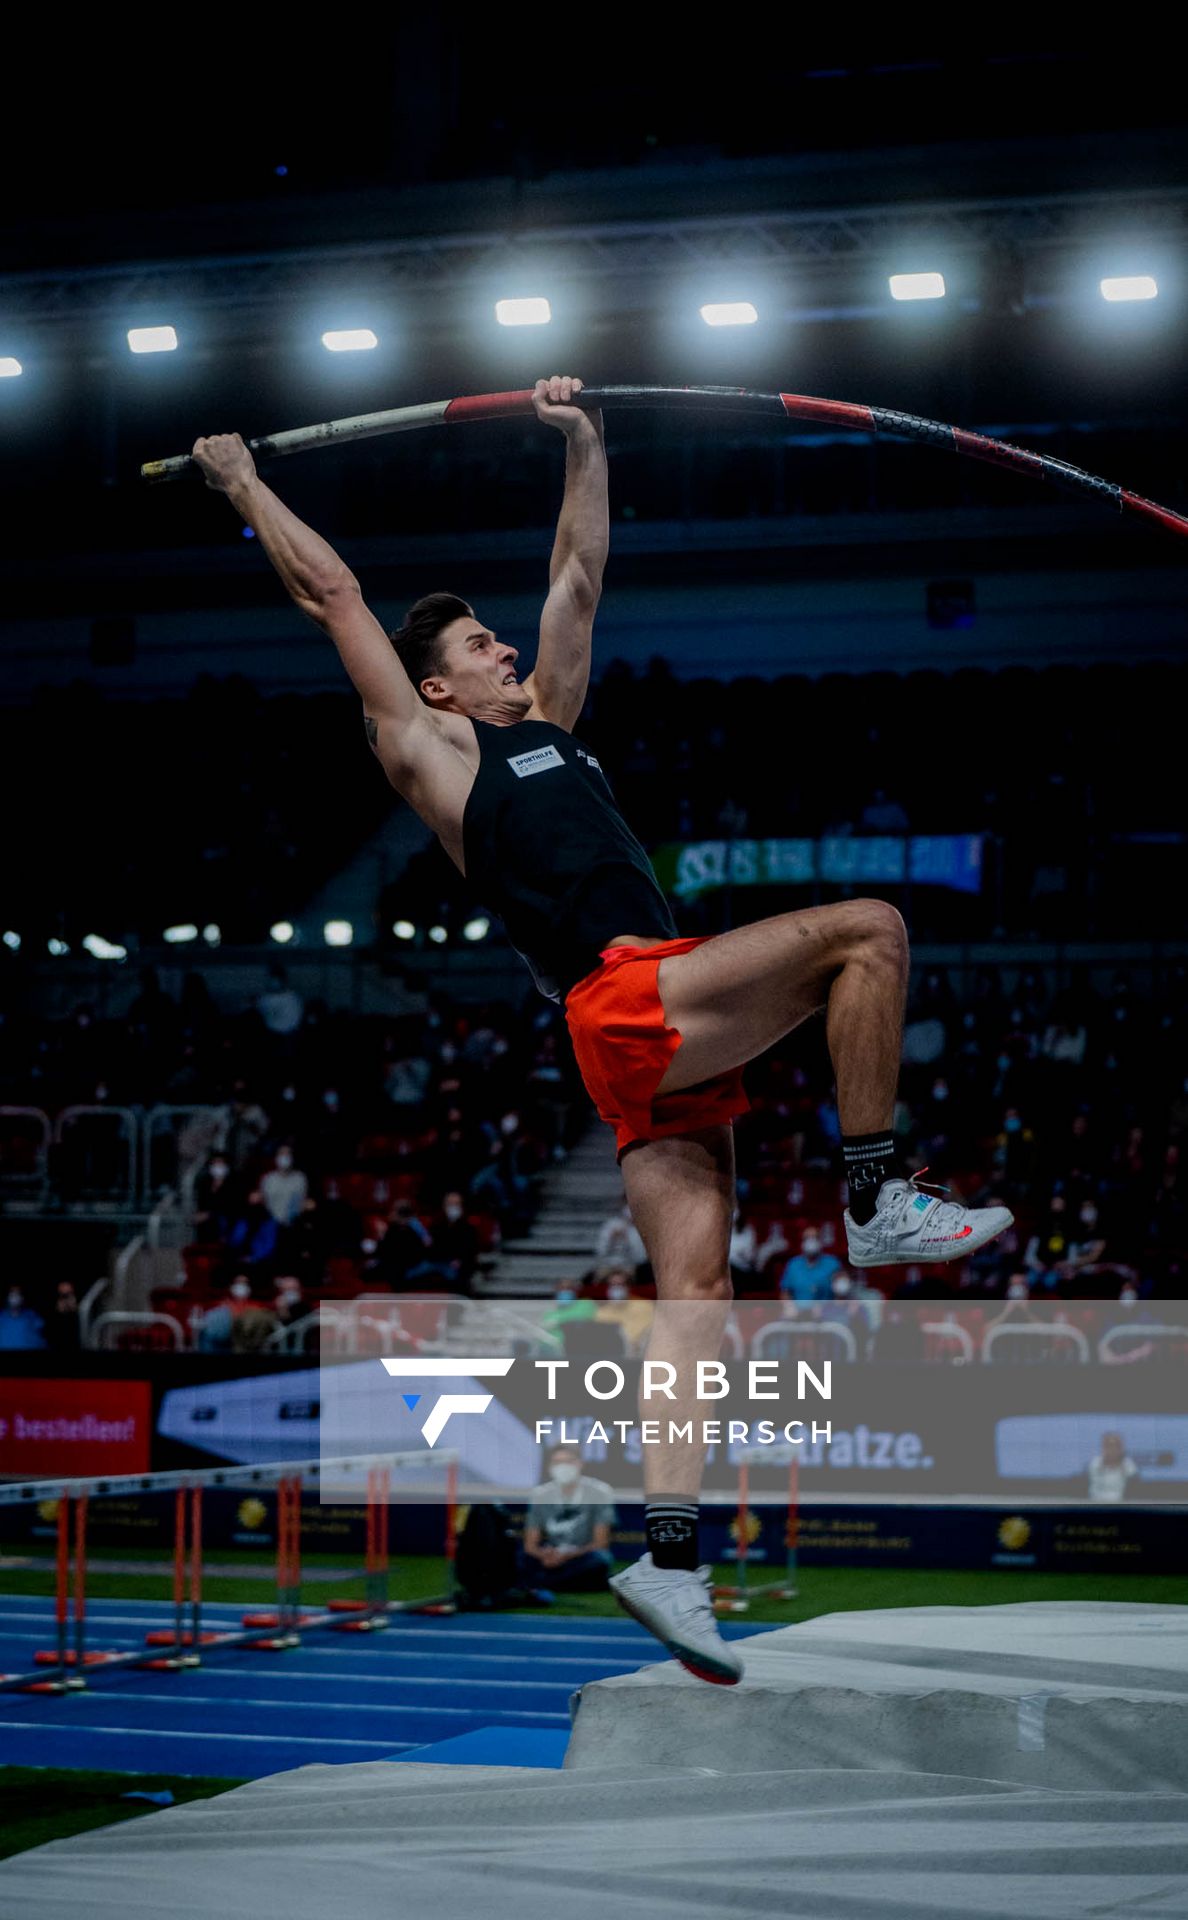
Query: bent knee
point(882, 926)
point(694, 1285)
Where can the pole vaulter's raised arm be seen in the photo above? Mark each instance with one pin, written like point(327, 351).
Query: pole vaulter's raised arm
point(323, 586)
point(559, 680)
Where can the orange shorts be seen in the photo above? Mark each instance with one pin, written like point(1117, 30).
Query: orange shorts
point(616, 1022)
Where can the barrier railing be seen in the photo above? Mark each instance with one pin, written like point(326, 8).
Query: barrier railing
point(1054, 1332)
point(88, 1168)
point(66, 1665)
point(164, 1159)
point(1141, 1338)
point(815, 1337)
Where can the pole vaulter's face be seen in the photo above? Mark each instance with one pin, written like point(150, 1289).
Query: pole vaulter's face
point(479, 675)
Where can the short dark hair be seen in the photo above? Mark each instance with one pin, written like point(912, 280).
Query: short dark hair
point(416, 642)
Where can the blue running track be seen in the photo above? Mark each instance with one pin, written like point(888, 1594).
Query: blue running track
point(336, 1698)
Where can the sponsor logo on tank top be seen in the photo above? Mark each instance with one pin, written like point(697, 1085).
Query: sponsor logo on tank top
point(523, 764)
point(588, 758)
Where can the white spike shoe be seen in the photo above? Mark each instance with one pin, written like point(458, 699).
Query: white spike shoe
point(674, 1604)
point(913, 1226)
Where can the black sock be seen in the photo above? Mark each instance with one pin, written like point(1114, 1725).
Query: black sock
point(870, 1159)
point(672, 1532)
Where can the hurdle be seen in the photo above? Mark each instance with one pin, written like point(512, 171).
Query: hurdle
point(64, 1668)
point(737, 1598)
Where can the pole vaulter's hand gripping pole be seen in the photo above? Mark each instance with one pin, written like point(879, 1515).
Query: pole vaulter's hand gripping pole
point(781, 406)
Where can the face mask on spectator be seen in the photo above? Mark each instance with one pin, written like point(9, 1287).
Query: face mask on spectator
point(448, 1051)
point(16, 1300)
point(1017, 1290)
point(565, 1472)
point(1128, 1296)
point(1004, 1061)
point(330, 1100)
point(940, 1091)
point(616, 1291)
point(810, 1245)
point(219, 1169)
point(1012, 1123)
point(284, 1160)
point(499, 1046)
point(1088, 1216)
point(288, 1093)
point(565, 1293)
point(453, 1211)
point(241, 1290)
point(510, 1122)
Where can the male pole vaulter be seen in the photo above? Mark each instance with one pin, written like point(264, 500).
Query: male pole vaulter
point(661, 1026)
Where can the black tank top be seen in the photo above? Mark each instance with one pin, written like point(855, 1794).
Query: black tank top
point(547, 849)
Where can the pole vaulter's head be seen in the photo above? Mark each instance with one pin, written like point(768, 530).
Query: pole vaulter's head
point(457, 664)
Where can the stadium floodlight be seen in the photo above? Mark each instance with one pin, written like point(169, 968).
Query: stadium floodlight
point(152, 339)
point(338, 933)
point(57, 947)
point(13, 942)
point(349, 340)
point(101, 949)
point(917, 286)
point(404, 930)
point(180, 936)
point(523, 313)
point(438, 935)
point(729, 313)
point(212, 933)
point(9, 368)
point(281, 931)
point(1136, 286)
point(477, 929)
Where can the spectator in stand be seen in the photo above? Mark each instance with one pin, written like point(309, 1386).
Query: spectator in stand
point(21, 1330)
point(288, 1303)
point(1019, 1310)
point(1048, 1248)
point(247, 1124)
point(1087, 1248)
point(215, 1334)
point(619, 1243)
point(403, 1259)
point(567, 1529)
point(550, 1097)
point(253, 1234)
point(1014, 1150)
point(840, 1306)
point(284, 1188)
point(280, 1006)
point(1065, 1038)
point(406, 1082)
point(506, 1178)
point(1110, 1471)
point(1133, 1317)
point(63, 1332)
point(744, 1255)
point(215, 1203)
point(809, 1274)
point(749, 1259)
point(454, 1244)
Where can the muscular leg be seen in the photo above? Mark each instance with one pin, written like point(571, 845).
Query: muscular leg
point(681, 1192)
point(737, 994)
